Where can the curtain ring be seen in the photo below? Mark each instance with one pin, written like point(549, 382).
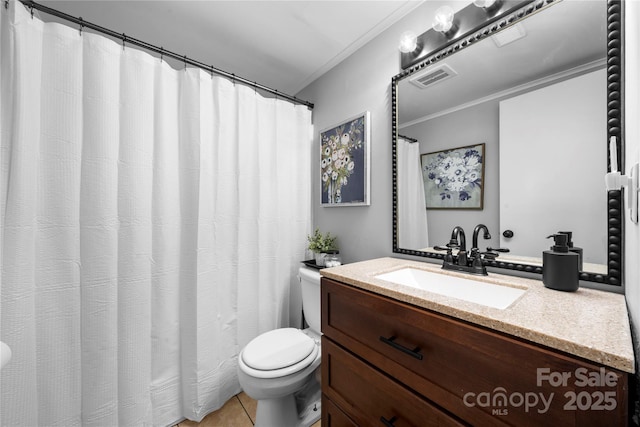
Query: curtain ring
point(161, 53)
point(212, 72)
point(233, 78)
point(81, 25)
point(185, 62)
point(31, 10)
point(124, 39)
point(6, 4)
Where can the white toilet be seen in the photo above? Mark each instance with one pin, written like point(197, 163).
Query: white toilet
point(276, 365)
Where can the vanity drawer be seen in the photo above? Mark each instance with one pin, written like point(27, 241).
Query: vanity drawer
point(332, 416)
point(458, 366)
point(369, 397)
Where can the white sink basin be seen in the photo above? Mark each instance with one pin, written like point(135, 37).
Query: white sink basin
point(488, 294)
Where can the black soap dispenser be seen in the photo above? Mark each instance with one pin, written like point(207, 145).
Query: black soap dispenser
point(560, 266)
point(574, 248)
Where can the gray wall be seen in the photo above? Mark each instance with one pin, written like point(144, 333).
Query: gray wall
point(361, 83)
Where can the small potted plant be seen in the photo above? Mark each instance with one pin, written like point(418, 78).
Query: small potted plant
point(322, 244)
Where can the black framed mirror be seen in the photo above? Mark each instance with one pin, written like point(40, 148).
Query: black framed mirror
point(601, 25)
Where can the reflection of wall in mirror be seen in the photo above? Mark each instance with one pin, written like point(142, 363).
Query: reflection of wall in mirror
point(542, 148)
point(474, 125)
point(480, 123)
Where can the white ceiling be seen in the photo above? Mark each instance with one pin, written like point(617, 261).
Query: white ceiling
point(284, 45)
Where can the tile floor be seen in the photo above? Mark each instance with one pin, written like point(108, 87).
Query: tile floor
point(239, 411)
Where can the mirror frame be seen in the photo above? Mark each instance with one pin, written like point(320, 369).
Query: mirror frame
point(615, 127)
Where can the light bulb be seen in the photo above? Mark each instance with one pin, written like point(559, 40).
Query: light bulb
point(443, 21)
point(408, 42)
point(484, 3)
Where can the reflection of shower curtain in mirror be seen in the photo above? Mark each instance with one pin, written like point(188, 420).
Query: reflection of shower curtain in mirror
point(412, 212)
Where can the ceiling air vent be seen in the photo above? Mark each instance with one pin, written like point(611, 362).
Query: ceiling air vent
point(433, 76)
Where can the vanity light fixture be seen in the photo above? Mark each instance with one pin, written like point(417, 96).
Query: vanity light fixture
point(451, 27)
point(443, 20)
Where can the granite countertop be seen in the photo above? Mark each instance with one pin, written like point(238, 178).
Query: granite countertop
point(587, 323)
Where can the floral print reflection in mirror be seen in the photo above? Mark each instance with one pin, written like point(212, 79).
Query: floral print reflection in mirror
point(344, 162)
point(454, 179)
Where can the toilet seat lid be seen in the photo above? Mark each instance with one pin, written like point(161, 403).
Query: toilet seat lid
point(277, 349)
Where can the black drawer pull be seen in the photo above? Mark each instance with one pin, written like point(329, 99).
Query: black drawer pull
point(388, 423)
point(392, 343)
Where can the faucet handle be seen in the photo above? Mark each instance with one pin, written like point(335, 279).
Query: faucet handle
point(453, 243)
point(497, 249)
point(493, 253)
point(490, 255)
point(449, 256)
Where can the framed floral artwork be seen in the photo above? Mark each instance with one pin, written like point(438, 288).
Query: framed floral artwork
point(344, 163)
point(454, 179)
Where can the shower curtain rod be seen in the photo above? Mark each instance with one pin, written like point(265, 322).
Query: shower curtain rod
point(408, 138)
point(163, 52)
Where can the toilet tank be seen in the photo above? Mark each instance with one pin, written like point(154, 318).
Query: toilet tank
point(310, 285)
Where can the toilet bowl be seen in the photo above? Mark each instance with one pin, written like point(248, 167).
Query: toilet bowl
point(277, 364)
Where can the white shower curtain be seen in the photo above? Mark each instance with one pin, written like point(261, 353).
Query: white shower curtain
point(153, 221)
point(412, 213)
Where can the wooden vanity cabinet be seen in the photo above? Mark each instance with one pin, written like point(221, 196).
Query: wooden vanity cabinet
point(389, 363)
